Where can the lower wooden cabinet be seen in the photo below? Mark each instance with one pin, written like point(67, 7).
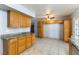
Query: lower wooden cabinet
point(16, 45)
point(21, 44)
point(33, 39)
point(10, 46)
point(28, 41)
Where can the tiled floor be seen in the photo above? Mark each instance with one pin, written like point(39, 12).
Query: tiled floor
point(47, 46)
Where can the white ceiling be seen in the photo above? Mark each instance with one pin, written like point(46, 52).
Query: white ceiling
point(58, 10)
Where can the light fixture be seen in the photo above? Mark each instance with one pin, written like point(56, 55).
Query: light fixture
point(48, 15)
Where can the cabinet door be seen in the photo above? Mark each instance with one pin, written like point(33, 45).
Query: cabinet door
point(17, 19)
point(67, 30)
point(29, 21)
point(40, 32)
point(40, 29)
point(21, 44)
point(33, 39)
point(25, 22)
point(13, 19)
point(20, 20)
point(28, 41)
point(12, 46)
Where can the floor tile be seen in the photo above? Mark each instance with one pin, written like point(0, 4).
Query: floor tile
point(46, 46)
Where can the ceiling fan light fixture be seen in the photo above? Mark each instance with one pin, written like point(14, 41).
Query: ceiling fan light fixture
point(47, 12)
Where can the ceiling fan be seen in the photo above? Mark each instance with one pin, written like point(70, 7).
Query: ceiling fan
point(49, 16)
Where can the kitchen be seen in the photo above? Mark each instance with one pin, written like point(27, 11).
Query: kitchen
point(15, 28)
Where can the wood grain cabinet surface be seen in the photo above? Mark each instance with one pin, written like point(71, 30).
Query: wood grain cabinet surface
point(18, 20)
point(10, 47)
point(33, 39)
point(28, 41)
point(67, 29)
point(21, 44)
point(16, 45)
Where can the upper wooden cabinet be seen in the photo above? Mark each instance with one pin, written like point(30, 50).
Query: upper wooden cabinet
point(18, 20)
point(51, 21)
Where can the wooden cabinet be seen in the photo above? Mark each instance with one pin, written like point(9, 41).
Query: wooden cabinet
point(67, 29)
point(21, 43)
point(18, 20)
point(28, 41)
point(26, 21)
point(10, 46)
point(40, 29)
point(13, 19)
point(33, 39)
point(29, 22)
point(16, 45)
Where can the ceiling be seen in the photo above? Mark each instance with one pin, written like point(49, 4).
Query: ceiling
point(58, 10)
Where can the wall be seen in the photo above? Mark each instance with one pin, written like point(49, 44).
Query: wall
point(75, 25)
point(35, 20)
point(5, 30)
point(3, 25)
point(20, 8)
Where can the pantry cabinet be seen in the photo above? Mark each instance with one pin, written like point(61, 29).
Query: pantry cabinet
point(67, 29)
point(18, 20)
point(40, 29)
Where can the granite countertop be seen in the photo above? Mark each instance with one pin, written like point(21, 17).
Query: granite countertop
point(8, 36)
